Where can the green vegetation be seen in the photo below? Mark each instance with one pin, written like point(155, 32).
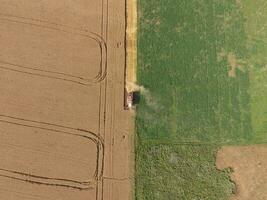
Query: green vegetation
point(185, 53)
point(202, 68)
point(169, 172)
point(256, 29)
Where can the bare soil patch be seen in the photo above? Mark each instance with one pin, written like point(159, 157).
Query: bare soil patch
point(249, 165)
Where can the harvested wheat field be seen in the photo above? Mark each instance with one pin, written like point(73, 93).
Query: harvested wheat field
point(63, 129)
point(249, 167)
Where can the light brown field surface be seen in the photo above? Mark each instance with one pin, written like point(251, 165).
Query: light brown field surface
point(64, 134)
point(249, 165)
point(131, 34)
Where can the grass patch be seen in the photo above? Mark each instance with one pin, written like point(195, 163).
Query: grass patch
point(256, 30)
point(181, 172)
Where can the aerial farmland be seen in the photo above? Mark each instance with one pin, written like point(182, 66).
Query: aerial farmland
point(202, 65)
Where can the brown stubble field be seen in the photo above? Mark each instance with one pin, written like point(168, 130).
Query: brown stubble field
point(64, 132)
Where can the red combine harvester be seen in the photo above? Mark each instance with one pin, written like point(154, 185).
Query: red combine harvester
point(128, 100)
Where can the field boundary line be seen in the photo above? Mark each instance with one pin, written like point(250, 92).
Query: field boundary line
point(173, 142)
point(131, 43)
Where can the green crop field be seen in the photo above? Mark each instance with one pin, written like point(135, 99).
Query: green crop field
point(202, 66)
point(170, 172)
